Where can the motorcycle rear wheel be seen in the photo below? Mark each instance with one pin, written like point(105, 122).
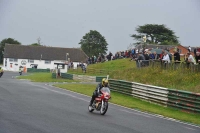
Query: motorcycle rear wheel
point(104, 109)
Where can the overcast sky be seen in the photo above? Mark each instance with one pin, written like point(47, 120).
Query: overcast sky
point(62, 23)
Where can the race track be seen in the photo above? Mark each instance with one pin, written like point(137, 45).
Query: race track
point(28, 107)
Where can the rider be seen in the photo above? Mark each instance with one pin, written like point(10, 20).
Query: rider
point(20, 69)
point(1, 71)
point(104, 83)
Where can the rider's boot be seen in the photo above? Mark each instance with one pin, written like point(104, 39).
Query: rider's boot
point(92, 100)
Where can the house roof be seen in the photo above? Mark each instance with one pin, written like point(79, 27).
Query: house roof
point(43, 53)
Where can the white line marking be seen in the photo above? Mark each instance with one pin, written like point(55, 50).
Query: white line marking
point(61, 92)
point(134, 113)
point(189, 128)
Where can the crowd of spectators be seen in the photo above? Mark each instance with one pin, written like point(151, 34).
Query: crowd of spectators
point(144, 55)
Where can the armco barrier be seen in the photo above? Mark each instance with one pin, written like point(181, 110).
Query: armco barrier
point(147, 92)
point(53, 75)
point(173, 98)
point(80, 77)
point(84, 78)
point(121, 86)
point(66, 76)
point(99, 78)
point(37, 70)
point(150, 93)
point(184, 100)
point(89, 78)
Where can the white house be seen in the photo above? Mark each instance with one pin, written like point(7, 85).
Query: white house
point(40, 57)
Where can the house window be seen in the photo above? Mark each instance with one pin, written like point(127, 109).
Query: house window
point(30, 61)
point(47, 62)
point(13, 60)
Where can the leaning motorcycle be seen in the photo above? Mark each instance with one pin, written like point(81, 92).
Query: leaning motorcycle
point(101, 102)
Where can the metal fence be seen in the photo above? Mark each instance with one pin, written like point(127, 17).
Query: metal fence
point(80, 77)
point(91, 71)
point(168, 66)
point(184, 100)
point(32, 70)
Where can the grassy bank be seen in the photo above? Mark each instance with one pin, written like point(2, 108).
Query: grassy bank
point(124, 69)
point(134, 103)
point(43, 77)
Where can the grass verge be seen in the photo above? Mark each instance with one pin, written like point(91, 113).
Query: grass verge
point(43, 77)
point(135, 103)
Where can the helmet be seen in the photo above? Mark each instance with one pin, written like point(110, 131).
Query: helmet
point(104, 82)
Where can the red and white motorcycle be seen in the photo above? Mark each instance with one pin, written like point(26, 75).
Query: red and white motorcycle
point(101, 102)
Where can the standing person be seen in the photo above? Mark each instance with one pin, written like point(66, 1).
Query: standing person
point(1, 71)
point(140, 59)
point(189, 49)
point(195, 51)
point(95, 59)
point(166, 58)
point(191, 58)
point(92, 62)
point(197, 57)
point(162, 54)
point(177, 57)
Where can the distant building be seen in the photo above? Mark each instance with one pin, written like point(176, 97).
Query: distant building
point(40, 57)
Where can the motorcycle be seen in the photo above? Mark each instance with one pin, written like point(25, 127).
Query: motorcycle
point(101, 102)
point(1, 74)
point(20, 73)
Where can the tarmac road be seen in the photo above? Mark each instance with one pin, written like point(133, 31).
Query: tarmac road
point(28, 107)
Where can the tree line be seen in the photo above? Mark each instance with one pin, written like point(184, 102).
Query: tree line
point(93, 43)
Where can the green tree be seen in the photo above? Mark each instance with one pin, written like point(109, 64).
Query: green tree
point(2, 45)
point(93, 43)
point(156, 34)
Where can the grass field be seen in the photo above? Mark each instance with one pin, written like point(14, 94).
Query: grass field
point(124, 69)
point(44, 77)
point(134, 103)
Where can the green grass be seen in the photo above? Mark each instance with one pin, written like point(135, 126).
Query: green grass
point(124, 69)
point(43, 77)
point(135, 103)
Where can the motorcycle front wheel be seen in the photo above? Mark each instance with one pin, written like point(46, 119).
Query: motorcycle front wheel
point(90, 109)
point(104, 108)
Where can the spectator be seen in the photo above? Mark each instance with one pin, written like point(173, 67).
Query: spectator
point(166, 58)
point(95, 59)
point(197, 57)
point(191, 58)
point(151, 56)
point(140, 59)
point(195, 50)
point(146, 56)
point(132, 53)
point(92, 60)
point(156, 57)
point(189, 49)
point(177, 57)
